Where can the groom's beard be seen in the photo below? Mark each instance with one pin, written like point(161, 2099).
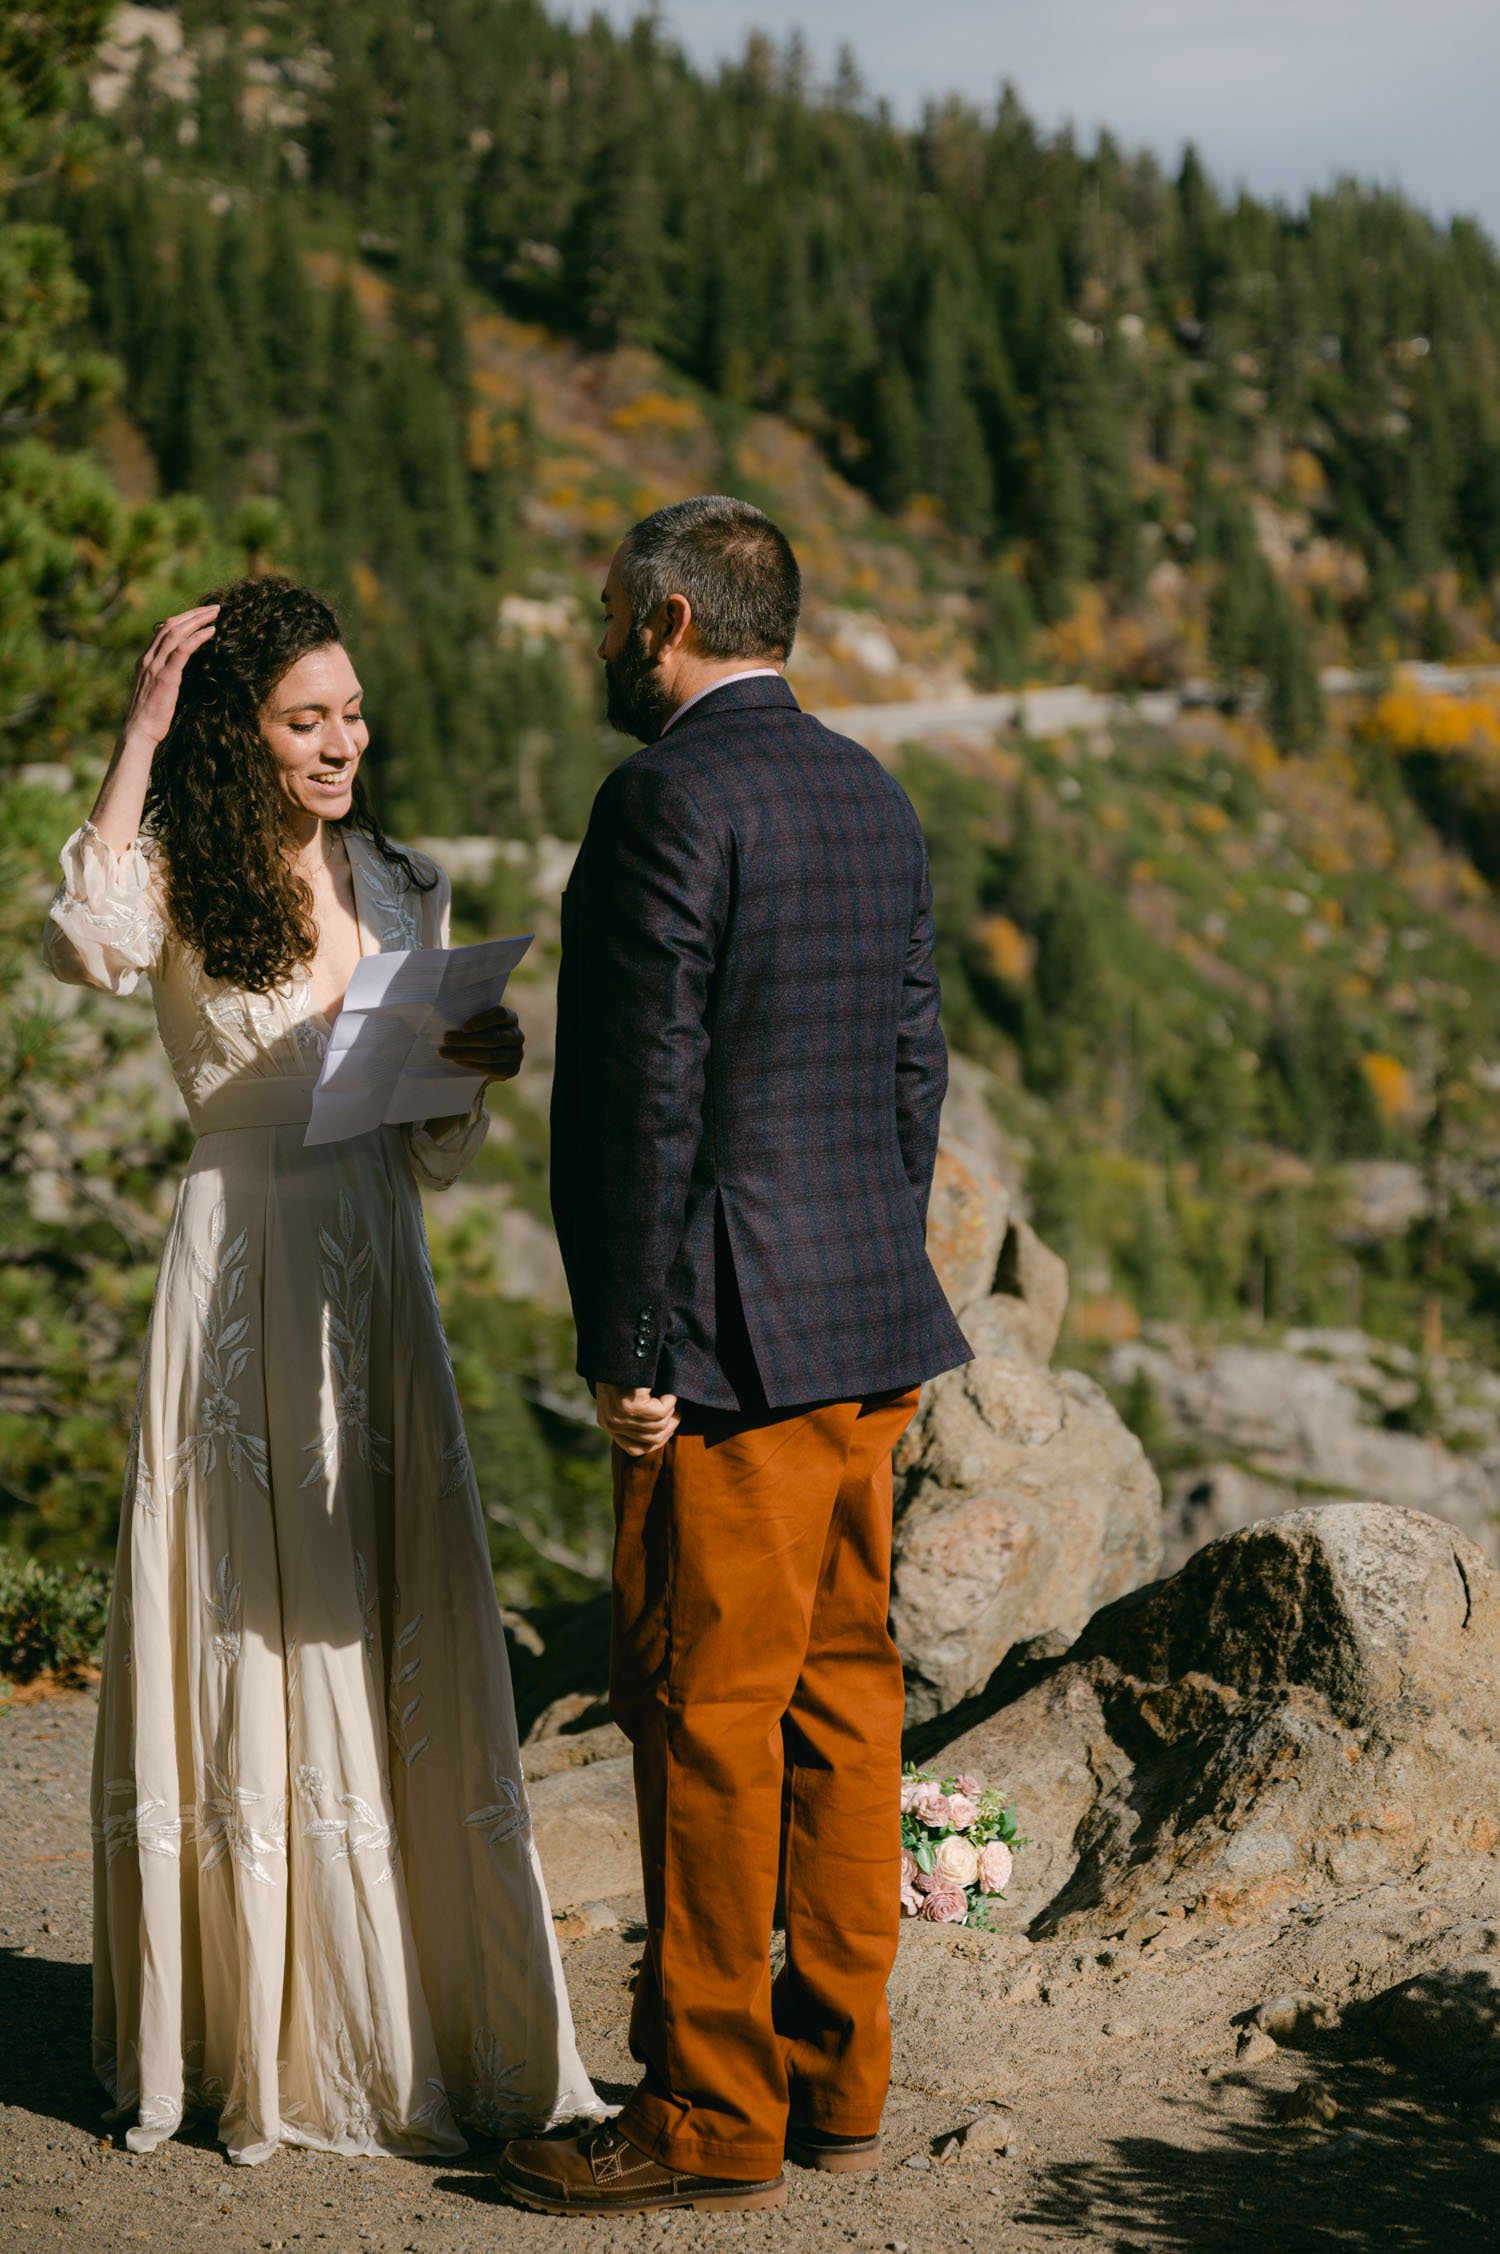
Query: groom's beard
point(637, 704)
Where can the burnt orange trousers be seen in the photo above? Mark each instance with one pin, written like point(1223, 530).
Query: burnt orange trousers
point(754, 1673)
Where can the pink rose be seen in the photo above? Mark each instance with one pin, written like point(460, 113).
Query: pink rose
point(944, 1903)
point(912, 1789)
point(931, 1808)
point(994, 1867)
point(972, 1788)
point(909, 1867)
point(911, 1901)
point(962, 1811)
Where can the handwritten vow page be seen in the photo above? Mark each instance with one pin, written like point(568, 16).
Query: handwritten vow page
point(382, 1066)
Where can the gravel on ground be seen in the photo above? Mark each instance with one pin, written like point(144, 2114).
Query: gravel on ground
point(1123, 2115)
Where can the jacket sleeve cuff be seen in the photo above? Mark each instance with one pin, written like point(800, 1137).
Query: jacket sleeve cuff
point(624, 1353)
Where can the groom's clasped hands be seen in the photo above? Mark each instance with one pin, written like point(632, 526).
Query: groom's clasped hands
point(639, 1422)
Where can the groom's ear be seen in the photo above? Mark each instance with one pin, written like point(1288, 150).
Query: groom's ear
point(672, 626)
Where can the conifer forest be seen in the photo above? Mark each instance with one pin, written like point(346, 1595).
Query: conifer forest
point(426, 300)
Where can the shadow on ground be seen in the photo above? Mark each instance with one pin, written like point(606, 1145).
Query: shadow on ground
point(45, 2011)
point(1405, 2164)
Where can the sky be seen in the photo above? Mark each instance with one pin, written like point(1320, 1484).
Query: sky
point(1282, 95)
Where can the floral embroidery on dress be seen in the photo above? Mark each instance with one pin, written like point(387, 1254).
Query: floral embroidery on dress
point(362, 1829)
point(159, 2116)
point(368, 1604)
point(147, 1824)
point(225, 1827)
point(206, 2092)
point(510, 1815)
point(403, 1709)
point(387, 894)
point(139, 1482)
point(224, 1611)
point(246, 1364)
point(345, 1270)
point(494, 2107)
point(457, 1461)
point(225, 1353)
point(283, 1016)
point(354, 2083)
point(208, 1045)
point(437, 2113)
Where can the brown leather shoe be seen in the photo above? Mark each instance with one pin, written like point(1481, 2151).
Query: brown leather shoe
point(834, 2154)
point(600, 2172)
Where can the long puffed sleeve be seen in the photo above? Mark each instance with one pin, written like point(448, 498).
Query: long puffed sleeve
point(437, 1160)
point(107, 924)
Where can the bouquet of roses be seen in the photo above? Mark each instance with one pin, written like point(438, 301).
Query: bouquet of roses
point(956, 1840)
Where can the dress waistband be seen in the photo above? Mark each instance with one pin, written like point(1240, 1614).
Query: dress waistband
point(280, 1100)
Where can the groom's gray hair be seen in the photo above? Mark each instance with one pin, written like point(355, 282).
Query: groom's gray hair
point(734, 565)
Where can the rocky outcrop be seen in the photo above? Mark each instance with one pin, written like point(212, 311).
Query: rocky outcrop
point(584, 1827)
point(967, 1219)
point(1318, 1415)
point(1449, 2017)
point(1023, 1503)
point(969, 1120)
point(1307, 1707)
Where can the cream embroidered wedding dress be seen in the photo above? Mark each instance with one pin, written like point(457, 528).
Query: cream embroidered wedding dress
point(318, 1909)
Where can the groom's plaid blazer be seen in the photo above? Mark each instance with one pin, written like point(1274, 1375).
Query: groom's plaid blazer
point(750, 1069)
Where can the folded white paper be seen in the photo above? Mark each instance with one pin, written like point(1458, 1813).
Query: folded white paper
point(382, 1066)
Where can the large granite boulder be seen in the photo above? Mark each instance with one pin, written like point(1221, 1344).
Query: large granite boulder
point(1023, 1505)
point(1308, 1707)
point(967, 1219)
point(1023, 1502)
point(584, 1827)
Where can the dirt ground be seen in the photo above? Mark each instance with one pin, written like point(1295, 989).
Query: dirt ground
point(1126, 2120)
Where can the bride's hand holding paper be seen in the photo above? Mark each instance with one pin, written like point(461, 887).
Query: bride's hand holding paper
point(420, 1035)
point(491, 1043)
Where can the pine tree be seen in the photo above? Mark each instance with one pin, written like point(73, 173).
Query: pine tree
point(1294, 695)
point(956, 466)
point(898, 440)
point(1062, 538)
point(200, 422)
point(240, 288)
point(293, 315)
point(1071, 990)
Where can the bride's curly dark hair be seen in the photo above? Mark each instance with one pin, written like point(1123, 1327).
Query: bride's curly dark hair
point(215, 810)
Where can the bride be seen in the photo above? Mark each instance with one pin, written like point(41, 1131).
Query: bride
point(318, 1909)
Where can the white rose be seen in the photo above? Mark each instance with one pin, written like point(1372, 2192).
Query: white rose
point(957, 1860)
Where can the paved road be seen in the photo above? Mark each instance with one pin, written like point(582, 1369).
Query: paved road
point(1062, 711)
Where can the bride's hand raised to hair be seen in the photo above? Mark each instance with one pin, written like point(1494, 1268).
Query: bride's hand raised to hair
point(158, 676)
point(153, 701)
point(491, 1043)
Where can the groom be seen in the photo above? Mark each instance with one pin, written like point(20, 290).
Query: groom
point(744, 1124)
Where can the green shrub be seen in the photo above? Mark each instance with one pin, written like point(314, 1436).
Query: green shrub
point(51, 1619)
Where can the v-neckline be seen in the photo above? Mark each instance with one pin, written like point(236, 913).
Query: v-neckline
point(361, 933)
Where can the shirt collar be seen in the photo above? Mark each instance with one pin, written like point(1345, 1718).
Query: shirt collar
point(750, 673)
